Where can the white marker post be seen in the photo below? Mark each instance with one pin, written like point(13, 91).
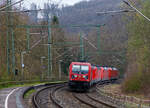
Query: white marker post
point(22, 63)
point(60, 69)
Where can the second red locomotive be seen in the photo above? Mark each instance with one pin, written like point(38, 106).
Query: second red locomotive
point(83, 75)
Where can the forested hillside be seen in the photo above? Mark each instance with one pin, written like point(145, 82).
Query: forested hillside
point(137, 77)
point(113, 36)
point(85, 12)
point(122, 42)
point(112, 42)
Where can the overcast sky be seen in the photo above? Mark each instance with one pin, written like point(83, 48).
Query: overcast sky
point(40, 3)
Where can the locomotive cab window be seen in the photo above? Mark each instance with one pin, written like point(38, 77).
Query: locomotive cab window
point(114, 69)
point(80, 69)
point(84, 69)
point(75, 68)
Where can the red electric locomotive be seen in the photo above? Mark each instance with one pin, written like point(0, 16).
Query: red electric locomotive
point(79, 75)
point(83, 75)
point(109, 74)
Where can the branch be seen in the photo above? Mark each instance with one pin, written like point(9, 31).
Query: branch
point(10, 5)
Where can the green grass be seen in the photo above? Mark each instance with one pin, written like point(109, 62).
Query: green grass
point(29, 93)
point(129, 105)
point(23, 84)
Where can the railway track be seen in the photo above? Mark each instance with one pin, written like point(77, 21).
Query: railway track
point(52, 97)
point(92, 102)
point(42, 97)
point(117, 103)
point(101, 102)
point(83, 101)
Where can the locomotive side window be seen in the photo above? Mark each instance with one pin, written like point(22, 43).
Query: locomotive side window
point(114, 69)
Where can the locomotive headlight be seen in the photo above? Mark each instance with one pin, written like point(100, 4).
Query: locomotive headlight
point(75, 76)
point(86, 77)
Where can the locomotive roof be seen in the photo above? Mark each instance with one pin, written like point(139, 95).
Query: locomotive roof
point(98, 66)
point(80, 63)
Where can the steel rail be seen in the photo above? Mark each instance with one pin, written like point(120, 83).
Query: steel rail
point(53, 96)
point(101, 102)
point(84, 102)
point(34, 99)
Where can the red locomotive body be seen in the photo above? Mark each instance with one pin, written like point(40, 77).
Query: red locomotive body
point(83, 75)
point(114, 74)
point(80, 75)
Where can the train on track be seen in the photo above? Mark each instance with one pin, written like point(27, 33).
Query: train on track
point(83, 75)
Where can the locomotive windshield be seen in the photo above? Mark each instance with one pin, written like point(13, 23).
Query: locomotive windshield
point(75, 68)
point(84, 69)
point(80, 69)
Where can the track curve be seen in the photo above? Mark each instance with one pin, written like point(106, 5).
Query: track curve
point(41, 97)
point(59, 96)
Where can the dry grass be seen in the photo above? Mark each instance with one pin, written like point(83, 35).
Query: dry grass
point(117, 89)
